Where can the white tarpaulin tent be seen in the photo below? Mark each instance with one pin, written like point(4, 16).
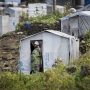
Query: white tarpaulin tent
point(4, 24)
point(7, 24)
point(36, 9)
point(76, 24)
point(18, 1)
point(54, 44)
point(13, 11)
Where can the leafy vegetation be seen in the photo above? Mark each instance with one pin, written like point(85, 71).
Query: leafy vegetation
point(87, 36)
point(47, 19)
point(55, 79)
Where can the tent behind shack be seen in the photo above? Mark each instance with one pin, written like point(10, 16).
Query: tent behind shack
point(4, 24)
point(76, 24)
point(54, 44)
point(13, 11)
point(18, 1)
point(7, 24)
point(36, 9)
point(86, 8)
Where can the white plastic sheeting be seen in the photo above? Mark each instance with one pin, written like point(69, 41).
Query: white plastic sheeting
point(13, 22)
point(61, 9)
point(7, 24)
point(18, 1)
point(13, 11)
point(55, 45)
point(36, 9)
point(77, 23)
point(50, 2)
point(4, 24)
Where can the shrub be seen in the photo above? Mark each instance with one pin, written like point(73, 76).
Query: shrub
point(55, 79)
point(87, 36)
point(47, 19)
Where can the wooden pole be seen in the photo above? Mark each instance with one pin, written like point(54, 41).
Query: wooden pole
point(54, 5)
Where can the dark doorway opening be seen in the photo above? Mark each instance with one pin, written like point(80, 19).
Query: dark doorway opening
point(41, 46)
point(77, 2)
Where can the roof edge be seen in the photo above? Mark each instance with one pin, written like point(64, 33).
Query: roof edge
point(49, 31)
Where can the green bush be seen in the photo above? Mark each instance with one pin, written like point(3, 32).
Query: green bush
point(56, 79)
point(47, 19)
point(82, 83)
point(87, 36)
point(10, 81)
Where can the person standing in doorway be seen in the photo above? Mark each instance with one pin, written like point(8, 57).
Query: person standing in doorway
point(36, 58)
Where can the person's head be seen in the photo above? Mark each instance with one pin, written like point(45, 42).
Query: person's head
point(36, 44)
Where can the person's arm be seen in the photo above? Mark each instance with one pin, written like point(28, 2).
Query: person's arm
point(40, 53)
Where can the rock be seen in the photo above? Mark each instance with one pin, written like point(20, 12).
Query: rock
point(13, 62)
point(1, 70)
point(9, 56)
point(0, 58)
point(71, 69)
point(4, 58)
point(85, 71)
point(6, 48)
point(19, 32)
point(6, 69)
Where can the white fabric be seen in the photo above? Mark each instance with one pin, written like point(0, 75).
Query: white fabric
point(18, 1)
point(36, 42)
point(73, 10)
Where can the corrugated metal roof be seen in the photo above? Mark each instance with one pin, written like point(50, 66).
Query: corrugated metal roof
point(53, 32)
point(59, 33)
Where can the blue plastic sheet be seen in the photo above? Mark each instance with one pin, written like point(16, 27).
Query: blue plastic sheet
point(87, 2)
point(27, 25)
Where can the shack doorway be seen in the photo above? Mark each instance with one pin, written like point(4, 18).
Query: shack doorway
point(41, 47)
